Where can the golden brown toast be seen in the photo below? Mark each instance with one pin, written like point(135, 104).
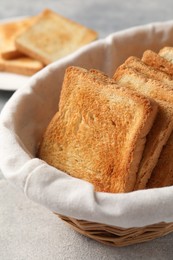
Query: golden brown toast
point(162, 175)
point(151, 72)
point(53, 37)
point(155, 60)
point(23, 65)
point(8, 33)
point(167, 53)
point(99, 132)
point(163, 124)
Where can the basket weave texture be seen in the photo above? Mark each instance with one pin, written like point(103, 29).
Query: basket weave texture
point(116, 236)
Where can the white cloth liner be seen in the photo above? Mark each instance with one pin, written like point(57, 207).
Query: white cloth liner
point(29, 110)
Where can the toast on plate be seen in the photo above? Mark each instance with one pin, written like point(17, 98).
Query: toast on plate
point(23, 65)
point(99, 131)
point(8, 33)
point(53, 37)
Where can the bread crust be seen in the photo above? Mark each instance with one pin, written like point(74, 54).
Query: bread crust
point(167, 53)
point(99, 132)
point(154, 60)
point(151, 72)
point(162, 175)
point(23, 66)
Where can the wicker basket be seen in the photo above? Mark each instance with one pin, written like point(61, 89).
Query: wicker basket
point(116, 236)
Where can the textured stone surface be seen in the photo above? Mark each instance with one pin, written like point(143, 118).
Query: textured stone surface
point(27, 230)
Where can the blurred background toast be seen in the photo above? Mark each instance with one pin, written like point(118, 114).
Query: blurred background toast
point(30, 43)
point(52, 37)
point(22, 65)
point(11, 59)
point(9, 32)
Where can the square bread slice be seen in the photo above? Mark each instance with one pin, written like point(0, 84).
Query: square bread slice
point(53, 37)
point(99, 131)
point(162, 175)
point(155, 60)
point(8, 33)
point(152, 72)
point(23, 65)
point(163, 124)
point(167, 53)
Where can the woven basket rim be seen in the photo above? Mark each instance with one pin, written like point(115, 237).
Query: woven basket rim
point(118, 236)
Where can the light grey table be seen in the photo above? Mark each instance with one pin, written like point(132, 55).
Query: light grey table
point(29, 231)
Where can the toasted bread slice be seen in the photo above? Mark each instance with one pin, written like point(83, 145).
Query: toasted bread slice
point(155, 60)
point(162, 175)
point(8, 33)
point(53, 37)
point(167, 53)
point(149, 71)
point(99, 132)
point(163, 124)
point(23, 65)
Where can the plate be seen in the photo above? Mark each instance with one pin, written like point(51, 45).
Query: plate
point(12, 81)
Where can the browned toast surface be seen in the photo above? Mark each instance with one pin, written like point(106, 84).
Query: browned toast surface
point(167, 53)
point(155, 60)
point(162, 174)
point(163, 124)
point(151, 72)
point(99, 132)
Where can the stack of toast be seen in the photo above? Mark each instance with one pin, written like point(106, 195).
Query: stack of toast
point(27, 45)
point(116, 133)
